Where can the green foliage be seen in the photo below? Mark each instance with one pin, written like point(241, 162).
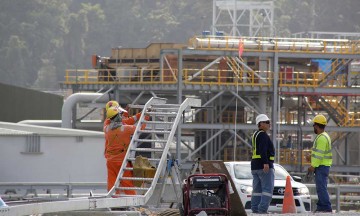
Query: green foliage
point(46, 79)
point(41, 38)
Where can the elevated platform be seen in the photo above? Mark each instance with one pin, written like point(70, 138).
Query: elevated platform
point(291, 79)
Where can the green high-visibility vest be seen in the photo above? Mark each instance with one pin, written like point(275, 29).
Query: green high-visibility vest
point(254, 155)
point(321, 152)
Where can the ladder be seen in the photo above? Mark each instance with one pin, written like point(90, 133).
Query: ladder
point(162, 127)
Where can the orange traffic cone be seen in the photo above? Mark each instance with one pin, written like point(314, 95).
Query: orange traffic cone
point(289, 202)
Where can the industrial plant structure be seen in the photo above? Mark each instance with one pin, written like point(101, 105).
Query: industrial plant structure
point(238, 77)
point(289, 79)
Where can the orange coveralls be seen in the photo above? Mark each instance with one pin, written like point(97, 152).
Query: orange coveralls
point(116, 144)
point(125, 120)
point(118, 141)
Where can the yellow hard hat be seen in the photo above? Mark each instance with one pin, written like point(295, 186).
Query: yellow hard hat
point(111, 112)
point(320, 119)
point(111, 103)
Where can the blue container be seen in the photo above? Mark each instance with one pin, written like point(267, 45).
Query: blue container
point(205, 33)
point(220, 33)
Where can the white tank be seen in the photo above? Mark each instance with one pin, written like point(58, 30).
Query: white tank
point(299, 46)
point(212, 43)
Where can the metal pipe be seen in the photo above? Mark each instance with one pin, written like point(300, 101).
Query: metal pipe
point(70, 102)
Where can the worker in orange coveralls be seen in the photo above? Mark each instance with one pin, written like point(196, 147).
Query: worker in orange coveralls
point(118, 137)
point(125, 115)
point(126, 120)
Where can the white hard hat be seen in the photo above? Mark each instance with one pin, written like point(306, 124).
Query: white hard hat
point(261, 118)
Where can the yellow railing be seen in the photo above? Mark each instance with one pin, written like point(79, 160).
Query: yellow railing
point(335, 102)
point(300, 79)
point(287, 156)
point(226, 117)
point(199, 77)
point(227, 77)
point(232, 117)
point(291, 156)
point(190, 76)
point(349, 119)
point(106, 76)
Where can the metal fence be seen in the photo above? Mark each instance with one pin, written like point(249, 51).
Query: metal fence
point(340, 195)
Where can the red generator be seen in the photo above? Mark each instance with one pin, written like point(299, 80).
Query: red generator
point(208, 193)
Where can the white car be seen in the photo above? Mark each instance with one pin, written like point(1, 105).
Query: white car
point(240, 172)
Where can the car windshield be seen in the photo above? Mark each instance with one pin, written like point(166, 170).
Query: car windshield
point(243, 171)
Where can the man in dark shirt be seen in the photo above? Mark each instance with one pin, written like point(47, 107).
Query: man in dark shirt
point(262, 166)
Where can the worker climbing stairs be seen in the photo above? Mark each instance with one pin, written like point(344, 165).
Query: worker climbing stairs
point(160, 130)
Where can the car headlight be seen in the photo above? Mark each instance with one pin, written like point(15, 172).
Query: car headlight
point(245, 189)
point(303, 191)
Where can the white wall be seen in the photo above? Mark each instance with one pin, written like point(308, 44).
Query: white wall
point(63, 159)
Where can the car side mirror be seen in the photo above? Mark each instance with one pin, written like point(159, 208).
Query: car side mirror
point(297, 178)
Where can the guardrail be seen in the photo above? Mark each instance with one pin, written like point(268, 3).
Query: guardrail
point(199, 77)
point(20, 190)
point(352, 191)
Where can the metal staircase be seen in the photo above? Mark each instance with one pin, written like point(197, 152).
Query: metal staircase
point(338, 113)
point(240, 69)
point(162, 126)
point(337, 66)
point(235, 67)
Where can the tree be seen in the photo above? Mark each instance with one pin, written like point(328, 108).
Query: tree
point(15, 52)
point(46, 79)
point(66, 33)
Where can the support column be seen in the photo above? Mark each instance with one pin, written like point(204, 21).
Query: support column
point(117, 96)
point(262, 102)
point(263, 68)
point(347, 105)
point(179, 99)
point(275, 106)
point(161, 62)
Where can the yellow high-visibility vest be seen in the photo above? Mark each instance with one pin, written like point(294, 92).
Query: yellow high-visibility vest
point(254, 155)
point(321, 152)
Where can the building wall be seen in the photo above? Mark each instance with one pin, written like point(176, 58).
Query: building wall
point(19, 104)
point(62, 159)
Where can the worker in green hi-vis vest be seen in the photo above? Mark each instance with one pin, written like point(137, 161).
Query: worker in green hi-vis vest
point(321, 161)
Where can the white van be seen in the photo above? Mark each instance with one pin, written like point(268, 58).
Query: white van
point(240, 172)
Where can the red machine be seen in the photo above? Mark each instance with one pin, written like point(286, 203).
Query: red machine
point(206, 192)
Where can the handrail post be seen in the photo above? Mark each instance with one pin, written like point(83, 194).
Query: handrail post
point(69, 191)
point(338, 198)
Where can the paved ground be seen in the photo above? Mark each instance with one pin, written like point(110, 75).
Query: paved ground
point(175, 212)
point(310, 213)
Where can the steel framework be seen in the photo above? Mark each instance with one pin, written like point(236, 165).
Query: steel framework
point(239, 18)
